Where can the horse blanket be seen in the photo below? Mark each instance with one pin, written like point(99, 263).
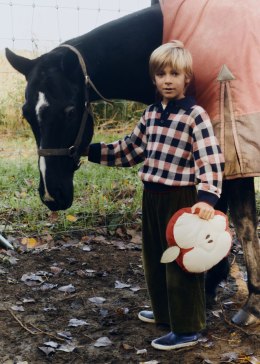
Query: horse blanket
point(223, 37)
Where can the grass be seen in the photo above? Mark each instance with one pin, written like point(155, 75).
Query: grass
point(108, 197)
point(104, 197)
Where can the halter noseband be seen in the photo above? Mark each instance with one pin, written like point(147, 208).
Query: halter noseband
point(72, 151)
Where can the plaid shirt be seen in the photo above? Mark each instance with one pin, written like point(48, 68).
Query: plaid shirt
point(176, 145)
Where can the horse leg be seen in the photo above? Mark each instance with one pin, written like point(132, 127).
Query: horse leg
point(220, 271)
point(242, 206)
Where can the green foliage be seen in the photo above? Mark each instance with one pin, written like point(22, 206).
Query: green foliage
point(108, 197)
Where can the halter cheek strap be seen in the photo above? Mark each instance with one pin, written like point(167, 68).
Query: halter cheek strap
point(84, 70)
point(72, 151)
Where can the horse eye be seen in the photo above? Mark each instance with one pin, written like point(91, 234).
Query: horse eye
point(70, 111)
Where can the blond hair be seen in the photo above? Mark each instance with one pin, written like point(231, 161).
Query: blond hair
point(171, 54)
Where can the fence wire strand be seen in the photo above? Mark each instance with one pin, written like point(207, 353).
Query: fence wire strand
point(60, 19)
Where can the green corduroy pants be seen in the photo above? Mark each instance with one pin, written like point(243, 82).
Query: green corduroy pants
point(177, 297)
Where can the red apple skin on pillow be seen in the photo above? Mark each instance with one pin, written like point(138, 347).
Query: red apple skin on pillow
point(197, 244)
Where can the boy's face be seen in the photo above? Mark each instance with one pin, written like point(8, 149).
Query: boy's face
point(170, 84)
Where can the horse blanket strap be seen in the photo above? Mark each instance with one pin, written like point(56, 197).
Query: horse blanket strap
point(84, 70)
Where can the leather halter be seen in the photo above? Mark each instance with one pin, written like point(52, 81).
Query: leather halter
point(72, 151)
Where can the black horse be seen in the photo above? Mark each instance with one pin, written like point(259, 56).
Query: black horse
point(57, 97)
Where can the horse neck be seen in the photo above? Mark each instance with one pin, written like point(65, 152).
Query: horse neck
point(117, 55)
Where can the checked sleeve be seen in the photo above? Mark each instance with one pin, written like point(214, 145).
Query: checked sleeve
point(209, 161)
point(122, 153)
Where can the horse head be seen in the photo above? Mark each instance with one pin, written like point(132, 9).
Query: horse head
point(57, 109)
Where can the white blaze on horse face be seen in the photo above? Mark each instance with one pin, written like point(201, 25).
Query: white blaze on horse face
point(41, 104)
point(47, 197)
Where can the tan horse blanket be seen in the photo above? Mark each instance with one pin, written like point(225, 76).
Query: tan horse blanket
point(223, 37)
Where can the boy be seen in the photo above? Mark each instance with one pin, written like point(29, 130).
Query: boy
point(174, 139)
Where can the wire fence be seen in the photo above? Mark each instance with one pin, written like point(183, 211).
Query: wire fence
point(43, 24)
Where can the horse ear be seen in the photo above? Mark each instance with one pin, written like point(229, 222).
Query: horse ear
point(21, 64)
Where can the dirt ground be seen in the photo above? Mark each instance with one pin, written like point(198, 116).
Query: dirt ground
point(75, 299)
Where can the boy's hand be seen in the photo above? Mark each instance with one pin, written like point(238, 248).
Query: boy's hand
point(204, 210)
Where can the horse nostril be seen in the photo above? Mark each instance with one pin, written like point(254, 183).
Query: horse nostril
point(210, 241)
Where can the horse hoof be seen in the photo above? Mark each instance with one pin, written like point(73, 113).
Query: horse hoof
point(244, 318)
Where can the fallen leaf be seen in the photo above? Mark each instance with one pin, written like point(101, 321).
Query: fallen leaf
point(28, 300)
point(65, 334)
point(103, 341)
point(52, 344)
point(76, 322)
point(100, 238)
point(136, 236)
point(216, 313)
point(47, 286)
point(120, 285)
point(86, 248)
point(141, 352)
point(90, 272)
point(135, 289)
point(56, 270)
point(85, 238)
point(71, 218)
point(127, 347)
point(46, 350)
point(68, 348)
point(120, 245)
point(17, 308)
point(97, 300)
point(32, 279)
point(30, 243)
point(228, 303)
point(229, 357)
point(68, 289)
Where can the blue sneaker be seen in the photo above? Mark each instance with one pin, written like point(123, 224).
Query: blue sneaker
point(146, 316)
point(175, 341)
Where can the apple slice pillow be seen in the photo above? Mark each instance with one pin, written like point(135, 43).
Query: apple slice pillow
point(196, 244)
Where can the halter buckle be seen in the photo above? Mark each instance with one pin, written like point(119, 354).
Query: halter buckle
point(73, 151)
